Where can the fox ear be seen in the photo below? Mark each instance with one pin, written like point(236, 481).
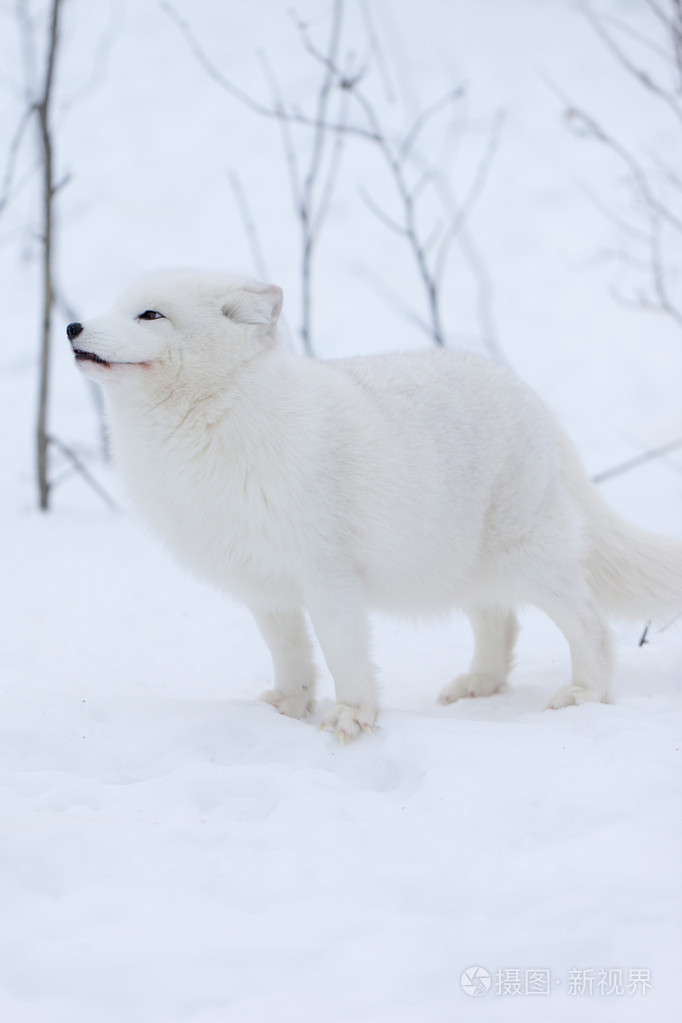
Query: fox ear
point(258, 305)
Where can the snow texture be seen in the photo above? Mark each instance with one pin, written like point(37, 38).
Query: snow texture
point(173, 850)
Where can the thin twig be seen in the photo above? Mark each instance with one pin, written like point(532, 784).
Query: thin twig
point(376, 49)
point(485, 297)
point(243, 97)
point(462, 215)
point(75, 461)
point(667, 625)
point(639, 37)
point(386, 220)
point(95, 391)
point(304, 188)
point(329, 184)
point(659, 275)
point(425, 116)
point(43, 108)
point(393, 299)
point(285, 130)
point(643, 641)
point(310, 223)
point(638, 460)
point(641, 76)
point(397, 170)
point(395, 159)
point(586, 126)
point(27, 37)
point(636, 233)
point(583, 122)
point(661, 214)
point(13, 154)
point(305, 184)
point(249, 225)
point(101, 57)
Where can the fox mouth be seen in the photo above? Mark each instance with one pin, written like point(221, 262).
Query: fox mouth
point(82, 356)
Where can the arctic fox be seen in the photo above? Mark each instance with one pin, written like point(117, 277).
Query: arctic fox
point(415, 483)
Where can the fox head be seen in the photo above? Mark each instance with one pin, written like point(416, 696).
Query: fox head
point(178, 326)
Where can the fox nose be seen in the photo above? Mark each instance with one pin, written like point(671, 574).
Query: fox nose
point(73, 330)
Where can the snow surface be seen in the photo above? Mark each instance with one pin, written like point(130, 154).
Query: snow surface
point(171, 849)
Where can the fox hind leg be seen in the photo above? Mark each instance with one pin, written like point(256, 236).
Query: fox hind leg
point(495, 631)
point(564, 594)
point(590, 643)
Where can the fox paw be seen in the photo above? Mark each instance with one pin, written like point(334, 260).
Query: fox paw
point(574, 695)
point(294, 705)
point(348, 722)
point(468, 686)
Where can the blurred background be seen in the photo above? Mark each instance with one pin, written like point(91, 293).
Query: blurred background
point(516, 159)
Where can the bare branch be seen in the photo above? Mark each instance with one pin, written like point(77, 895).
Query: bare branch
point(588, 127)
point(381, 215)
point(659, 276)
point(310, 222)
point(13, 154)
point(642, 76)
point(376, 49)
point(27, 37)
point(395, 159)
point(628, 30)
point(324, 201)
point(638, 460)
point(101, 57)
point(669, 623)
point(485, 297)
point(434, 234)
point(243, 97)
point(656, 185)
point(461, 216)
point(95, 391)
point(249, 225)
point(659, 13)
point(323, 99)
point(311, 213)
point(425, 179)
point(672, 25)
point(43, 108)
point(396, 168)
point(636, 233)
point(666, 172)
point(310, 210)
point(80, 468)
point(393, 299)
point(425, 116)
point(285, 129)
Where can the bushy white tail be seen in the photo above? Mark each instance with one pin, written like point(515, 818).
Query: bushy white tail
point(633, 573)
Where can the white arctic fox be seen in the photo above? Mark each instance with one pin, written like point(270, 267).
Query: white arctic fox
point(414, 483)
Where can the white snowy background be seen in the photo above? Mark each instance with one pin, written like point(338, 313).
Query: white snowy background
point(171, 849)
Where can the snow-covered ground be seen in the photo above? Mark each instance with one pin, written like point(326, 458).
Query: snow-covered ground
point(172, 850)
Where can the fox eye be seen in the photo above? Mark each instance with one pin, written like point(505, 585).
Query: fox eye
point(151, 314)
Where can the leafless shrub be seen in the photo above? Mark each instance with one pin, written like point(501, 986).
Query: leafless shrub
point(410, 174)
point(37, 110)
point(651, 230)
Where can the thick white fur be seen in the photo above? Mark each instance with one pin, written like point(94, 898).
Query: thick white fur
point(414, 483)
